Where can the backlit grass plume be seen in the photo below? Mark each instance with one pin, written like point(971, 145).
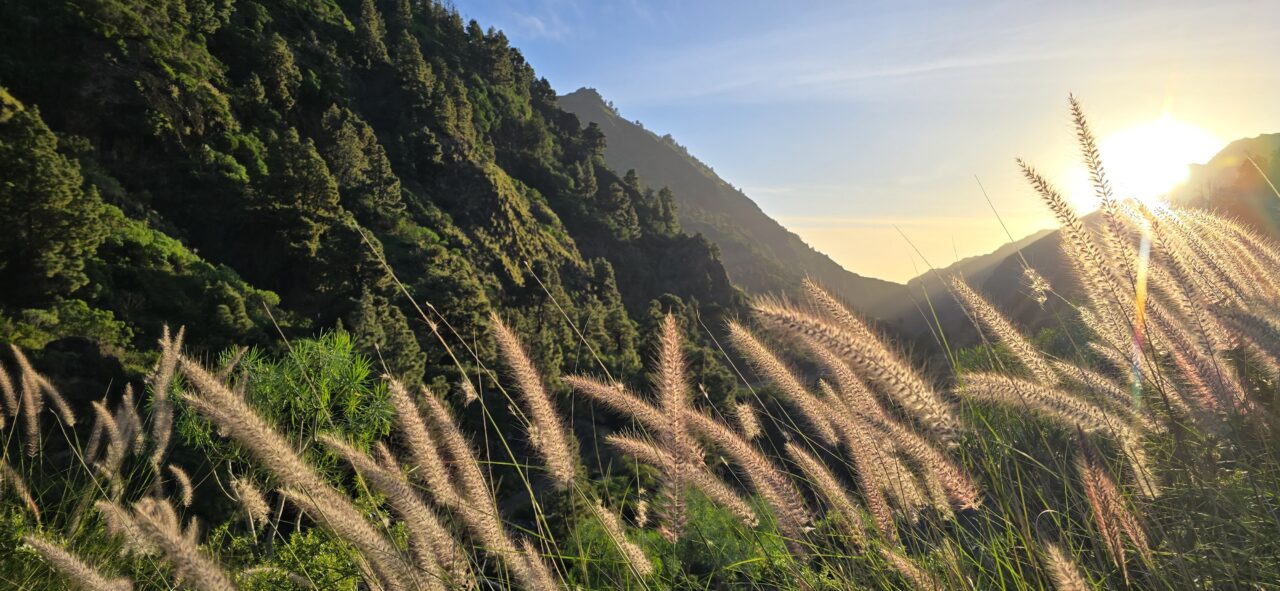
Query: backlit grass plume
point(547, 432)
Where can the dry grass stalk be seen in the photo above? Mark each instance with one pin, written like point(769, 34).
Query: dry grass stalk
point(547, 432)
point(833, 493)
point(541, 577)
point(995, 322)
point(1108, 300)
point(80, 574)
point(1063, 571)
point(747, 421)
point(389, 568)
point(185, 491)
point(477, 506)
point(250, 499)
point(960, 489)
point(636, 559)
point(702, 479)
point(852, 392)
point(1110, 514)
point(110, 465)
point(157, 522)
point(673, 400)
point(920, 579)
point(8, 395)
point(435, 550)
point(423, 448)
point(42, 388)
point(874, 453)
point(257, 571)
point(1051, 403)
point(777, 372)
point(767, 480)
point(1114, 230)
point(14, 481)
point(871, 467)
point(161, 407)
point(871, 358)
point(32, 404)
point(130, 422)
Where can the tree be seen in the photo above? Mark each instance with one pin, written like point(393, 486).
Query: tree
point(619, 213)
point(382, 332)
point(667, 223)
point(281, 74)
point(53, 224)
point(299, 199)
point(371, 31)
point(359, 164)
point(416, 77)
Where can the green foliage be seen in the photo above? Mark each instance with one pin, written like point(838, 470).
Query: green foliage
point(55, 223)
point(321, 385)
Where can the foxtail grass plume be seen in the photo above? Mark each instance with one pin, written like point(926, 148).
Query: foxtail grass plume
point(701, 478)
point(747, 421)
point(161, 406)
point(920, 579)
point(547, 432)
point(1063, 571)
point(80, 574)
point(992, 320)
point(232, 414)
point(477, 506)
point(185, 491)
point(250, 499)
point(870, 358)
point(433, 546)
point(833, 493)
point(157, 522)
point(777, 372)
point(424, 450)
point(12, 480)
point(636, 559)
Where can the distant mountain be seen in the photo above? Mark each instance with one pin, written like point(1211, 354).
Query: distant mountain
point(759, 254)
point(929, 291)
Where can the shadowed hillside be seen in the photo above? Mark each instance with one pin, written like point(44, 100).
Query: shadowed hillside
point(759, 254)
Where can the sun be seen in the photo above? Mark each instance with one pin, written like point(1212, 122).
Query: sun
point(1146, 161)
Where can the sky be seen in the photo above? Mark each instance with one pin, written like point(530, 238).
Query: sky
point(871, 128)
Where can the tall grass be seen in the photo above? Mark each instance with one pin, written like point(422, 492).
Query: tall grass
point(1144, 456)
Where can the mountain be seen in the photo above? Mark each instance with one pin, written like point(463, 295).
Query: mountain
point(759, 254)
point(931, 297)
point(261, 168)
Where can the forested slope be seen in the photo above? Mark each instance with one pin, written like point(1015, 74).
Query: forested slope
point(233, 166)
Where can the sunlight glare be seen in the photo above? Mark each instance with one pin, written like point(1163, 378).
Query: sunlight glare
point(1146, 161)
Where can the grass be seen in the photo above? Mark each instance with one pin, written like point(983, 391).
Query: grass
point(1143, 458)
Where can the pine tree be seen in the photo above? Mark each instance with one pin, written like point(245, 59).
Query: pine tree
point(300, 198)
point(382, 332)
point(619, 213)
point(371, 31)
point(415, 74)
point(54, 225)
point(667, 221)
point(281, 74)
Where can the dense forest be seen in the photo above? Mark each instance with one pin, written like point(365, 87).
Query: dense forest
point(249, 170)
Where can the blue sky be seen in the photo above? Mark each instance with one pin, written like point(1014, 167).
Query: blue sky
point(849, 121)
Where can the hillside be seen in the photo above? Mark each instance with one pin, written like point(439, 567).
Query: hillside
point(759, 254)
point(244, 168)
point(928, 290)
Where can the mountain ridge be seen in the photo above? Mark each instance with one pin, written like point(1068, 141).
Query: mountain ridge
point(759, 253)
